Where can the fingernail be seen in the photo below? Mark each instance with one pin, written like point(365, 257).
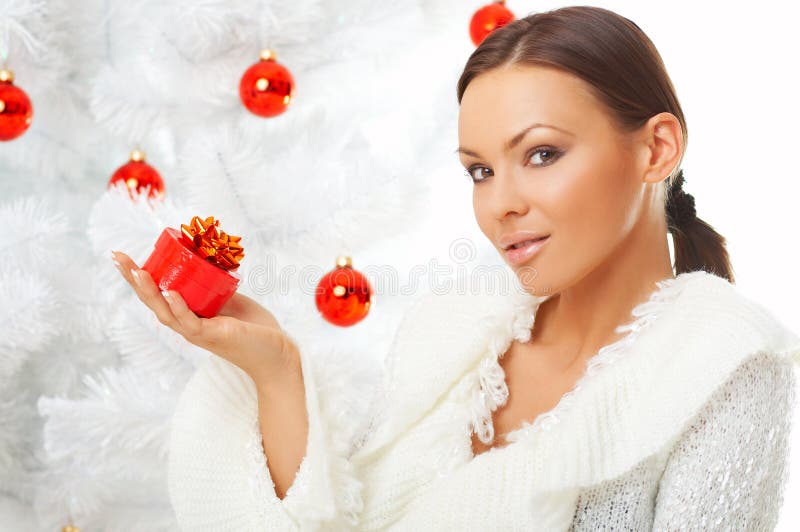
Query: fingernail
point(135, 275)
point(165, 293)
point(118, 265)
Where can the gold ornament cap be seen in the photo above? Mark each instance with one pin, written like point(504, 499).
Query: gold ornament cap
point(6, 75)
point(343, 261)
point(267, 54)
point(137, 156)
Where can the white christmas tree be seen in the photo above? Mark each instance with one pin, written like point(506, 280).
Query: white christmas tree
point(88, 376)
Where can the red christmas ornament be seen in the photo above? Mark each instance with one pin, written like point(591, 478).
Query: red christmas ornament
point(267, 87)
point(138, 176)
point(16, 110)
point(343, 294)
point(487, 19)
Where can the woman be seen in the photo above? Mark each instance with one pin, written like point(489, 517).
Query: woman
point(639, 400)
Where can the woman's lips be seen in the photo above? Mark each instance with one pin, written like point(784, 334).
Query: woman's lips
point(524, 253)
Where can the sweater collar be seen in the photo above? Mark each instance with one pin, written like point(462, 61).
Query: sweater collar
point(439, 340)
point(444, 337)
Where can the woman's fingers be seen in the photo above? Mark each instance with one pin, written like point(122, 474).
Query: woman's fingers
point(124, 264)
point(151, 296)
point(190, 323)
point(146, 290)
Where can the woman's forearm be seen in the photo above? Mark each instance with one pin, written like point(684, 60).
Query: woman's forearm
point(284, 423)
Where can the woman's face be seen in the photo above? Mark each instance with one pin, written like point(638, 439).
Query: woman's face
point(573, 178)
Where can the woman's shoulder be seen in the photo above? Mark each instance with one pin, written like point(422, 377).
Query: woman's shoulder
point(725, 306)
point(706, 337)
point(713, 327)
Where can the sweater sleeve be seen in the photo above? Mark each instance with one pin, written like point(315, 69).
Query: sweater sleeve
point(729, 468)
point(217, 469)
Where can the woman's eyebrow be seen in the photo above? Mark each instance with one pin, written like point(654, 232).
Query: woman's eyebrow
point(513, 141)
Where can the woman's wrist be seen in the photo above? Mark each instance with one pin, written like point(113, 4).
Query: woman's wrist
point(278, 372)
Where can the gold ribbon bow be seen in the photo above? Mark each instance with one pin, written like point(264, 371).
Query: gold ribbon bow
point(212, 243)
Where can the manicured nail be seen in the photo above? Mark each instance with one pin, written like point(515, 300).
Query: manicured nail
point(117, 264)
point(135, 276)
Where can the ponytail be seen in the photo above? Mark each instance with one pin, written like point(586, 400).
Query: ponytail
point(696, 244)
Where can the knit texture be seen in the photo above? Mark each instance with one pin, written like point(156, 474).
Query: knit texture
point(727, 472)
point(700, 387)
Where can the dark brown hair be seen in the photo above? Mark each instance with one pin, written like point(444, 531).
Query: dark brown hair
point(626, 74)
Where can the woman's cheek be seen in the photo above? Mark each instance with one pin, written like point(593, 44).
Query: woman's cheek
point(582, 227)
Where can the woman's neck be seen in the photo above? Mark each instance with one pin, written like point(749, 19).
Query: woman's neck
point(577, 322)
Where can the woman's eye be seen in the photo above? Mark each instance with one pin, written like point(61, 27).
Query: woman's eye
point(471, 173)
point(549, 154)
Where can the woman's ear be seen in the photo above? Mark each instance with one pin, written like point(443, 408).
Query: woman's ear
point(661, 147)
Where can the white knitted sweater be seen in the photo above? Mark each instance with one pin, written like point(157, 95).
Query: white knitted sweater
point(682, 424)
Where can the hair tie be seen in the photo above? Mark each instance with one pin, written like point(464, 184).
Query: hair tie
point(680, 205)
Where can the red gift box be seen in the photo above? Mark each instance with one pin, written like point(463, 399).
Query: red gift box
point(175, 265)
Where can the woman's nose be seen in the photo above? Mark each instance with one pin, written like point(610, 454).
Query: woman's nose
point(507, 197)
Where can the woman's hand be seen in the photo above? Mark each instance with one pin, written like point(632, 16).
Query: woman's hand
point(244, 332)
